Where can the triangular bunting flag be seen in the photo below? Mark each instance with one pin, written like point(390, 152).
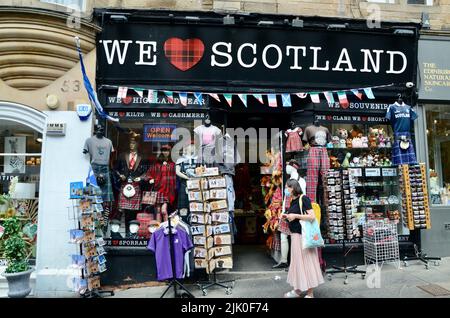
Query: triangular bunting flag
point(139, 91)
point(302, 95)
point(152, 96)
point(272, 100)
point(286, 98)
point(229, 99)
point(259, 97)
point(357, 93)
point(343, 99)
point(243, 98)
point(199, 98)
point(183, 98)
point(315, 97)
point(369, 93)
point(215, 96)
point(169, 95)
point(329, 96)
point(122, 92)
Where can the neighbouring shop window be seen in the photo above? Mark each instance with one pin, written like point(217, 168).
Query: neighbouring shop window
point(438, 136)
point(20, 160)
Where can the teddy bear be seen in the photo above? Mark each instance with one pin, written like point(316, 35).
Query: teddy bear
point(334, 163)
point(355, 131)
point(349, 142)
point(342, 133)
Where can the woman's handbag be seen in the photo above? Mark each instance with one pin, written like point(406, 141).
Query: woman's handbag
point(311, 237)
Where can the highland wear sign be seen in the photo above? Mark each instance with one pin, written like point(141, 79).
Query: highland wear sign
point(184, 53)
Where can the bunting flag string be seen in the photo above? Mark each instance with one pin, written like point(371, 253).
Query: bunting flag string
point(285, 97)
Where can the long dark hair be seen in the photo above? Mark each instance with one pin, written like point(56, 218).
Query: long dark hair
point(296, 188)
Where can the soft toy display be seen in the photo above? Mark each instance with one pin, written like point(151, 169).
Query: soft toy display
point(355, 131)
point(334, 162)
point(346, 162)
point(335, 141)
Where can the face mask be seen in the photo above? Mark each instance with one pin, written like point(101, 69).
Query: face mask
point(287, 192)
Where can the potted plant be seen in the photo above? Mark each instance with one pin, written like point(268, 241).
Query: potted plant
point(15, 251)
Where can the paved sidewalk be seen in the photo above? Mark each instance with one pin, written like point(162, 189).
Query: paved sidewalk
point(391, 283)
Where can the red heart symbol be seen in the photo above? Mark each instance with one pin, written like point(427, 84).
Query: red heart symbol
point(364, 118)
point(345, 105)
point(184, 54)
point(165, 115)
point(121, 114)
point(328, 117)
point(127, 100)
point(115, 242)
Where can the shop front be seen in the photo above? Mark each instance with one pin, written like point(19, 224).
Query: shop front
point(267, 87)
point(434, 100)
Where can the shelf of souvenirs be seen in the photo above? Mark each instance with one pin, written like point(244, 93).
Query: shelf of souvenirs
point(358, 148)
point(392, 200)
point(375, 184)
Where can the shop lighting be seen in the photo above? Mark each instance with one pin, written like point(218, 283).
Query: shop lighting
point(265, 23)
point(120, 18)
point(39, 140)
point(404, 32)
point(228, 20)
point(337, 26)
point(297, 23)
point(192, 18)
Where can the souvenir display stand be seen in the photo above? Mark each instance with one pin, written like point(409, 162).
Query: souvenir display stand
point(87, 214)
point(416, 204)
point(210, 226)
point(174, 282)
point(381, 243)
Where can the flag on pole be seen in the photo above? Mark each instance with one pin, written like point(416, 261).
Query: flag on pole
point(122, 92)
point(286, 98)
point(91, 179)
point(152, 96)
point(259, 97)
point(169, 95)
point(183, 98)
point(272, 100)
point(229, 99)
point(139, 91)
point(357, 93)
point(315, 97)
point(302, 95)
point(329, 96)
point(215, 96)
point(369, 93)
point(243, 98)
point(90, 90)
point(343, 99)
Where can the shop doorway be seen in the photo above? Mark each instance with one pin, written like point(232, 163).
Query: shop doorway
point(251, 251)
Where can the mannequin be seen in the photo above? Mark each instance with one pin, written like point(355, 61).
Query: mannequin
point(100, 148)
point(115, 226)
point(229, 158)
point(292, 170)
point(134, 228)
point(401, 117)
point(131, 172)
point(317, 161)
point(162, 175)
point(208, 135)
point(185, 169)
point(294, 140)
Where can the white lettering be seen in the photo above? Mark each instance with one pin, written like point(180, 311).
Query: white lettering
point(315, 66)
point(296, 49)
point(375, 64)
point(239, 55)
point(264, 56)
point(226, 55)
point(341, 60)
point(391, 62)
point(146, 52)
point(116, 48)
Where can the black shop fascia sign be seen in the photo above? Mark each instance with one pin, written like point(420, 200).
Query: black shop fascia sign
point(224, 58)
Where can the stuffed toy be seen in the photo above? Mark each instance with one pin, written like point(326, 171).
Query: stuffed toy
point(365, 142)
point(334, 163)
point(342, 134)
point(355, 131)
point(342, 143)
point(356, 142)
point(335, 141)
point(355, 162)
point(346, 162)
point(330, 145)
point(349, 143)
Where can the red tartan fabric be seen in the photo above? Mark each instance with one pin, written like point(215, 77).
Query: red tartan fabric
point(283, 227)
point(184, 54)
point(294, 141)
point(144, 221)
point(276, 242)
point(316, 162)
point(133, 203)
point(165, 181)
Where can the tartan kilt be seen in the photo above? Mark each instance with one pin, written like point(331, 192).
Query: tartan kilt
point(402, 157)
point(133, 203)
point(283, 227)
point(276, 242)
point(161, 198)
